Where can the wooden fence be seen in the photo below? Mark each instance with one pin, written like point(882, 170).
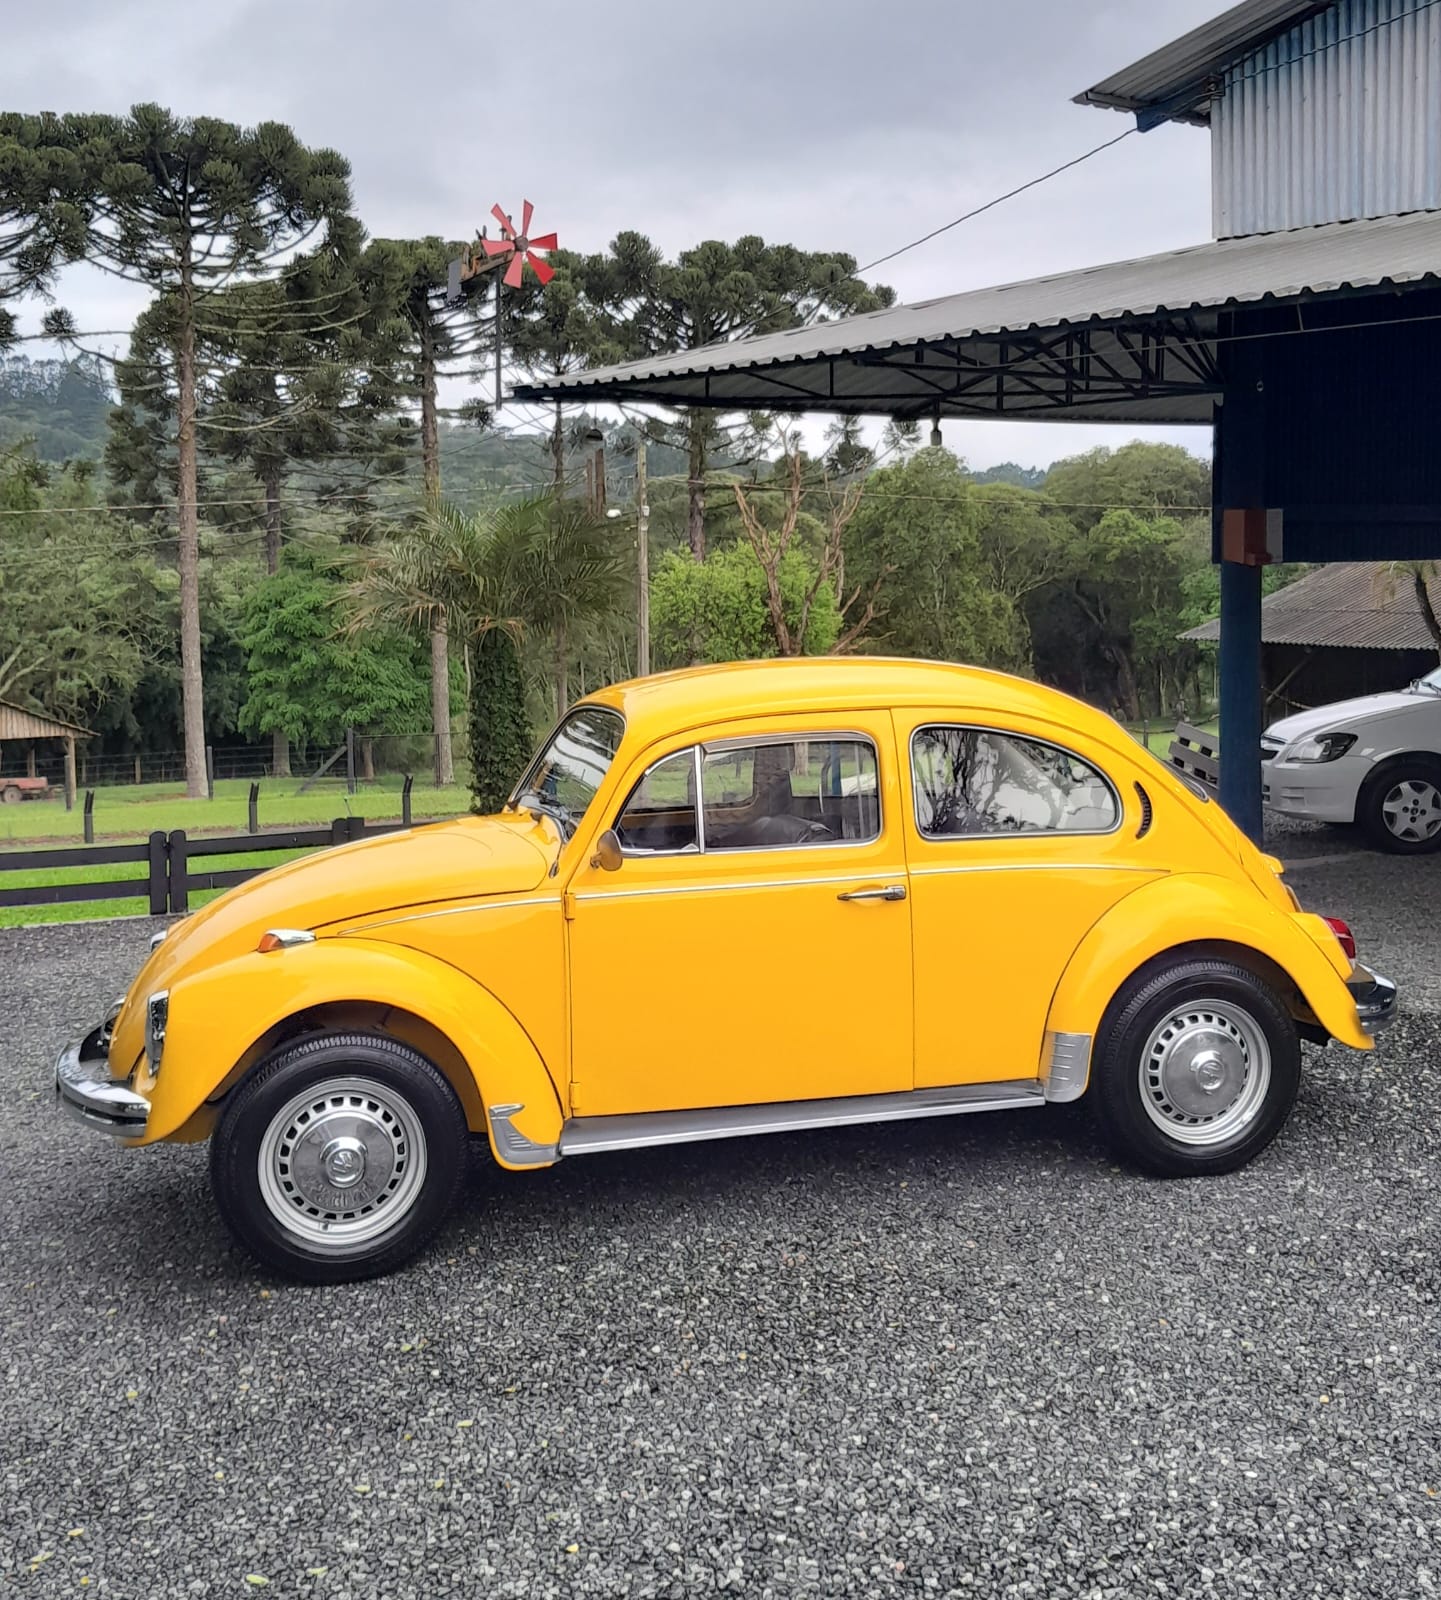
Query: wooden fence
point(168, 861)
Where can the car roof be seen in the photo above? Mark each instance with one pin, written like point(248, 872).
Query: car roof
point(693, 696)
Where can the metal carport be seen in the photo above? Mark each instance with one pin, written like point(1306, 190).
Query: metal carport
point(1315, 355)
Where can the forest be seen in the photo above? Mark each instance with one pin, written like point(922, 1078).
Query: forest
point(290, 506)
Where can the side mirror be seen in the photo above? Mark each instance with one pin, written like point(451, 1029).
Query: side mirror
point(608, 853)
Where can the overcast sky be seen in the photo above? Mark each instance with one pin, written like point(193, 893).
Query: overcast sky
point(834, 124)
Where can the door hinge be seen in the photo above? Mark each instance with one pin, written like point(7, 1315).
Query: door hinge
point(567, 906)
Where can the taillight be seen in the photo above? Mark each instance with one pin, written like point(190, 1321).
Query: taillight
point(1343, 934)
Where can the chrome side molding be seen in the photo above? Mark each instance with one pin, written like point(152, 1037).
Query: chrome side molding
point(1068, 1061)
point(640, 1129)
point(512, 1143)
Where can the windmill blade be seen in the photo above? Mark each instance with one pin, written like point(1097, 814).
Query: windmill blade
point(503, 220)
point(547, 241)
point(527, 211)
point(498, 247)
point(542, 269)
point(515, 272)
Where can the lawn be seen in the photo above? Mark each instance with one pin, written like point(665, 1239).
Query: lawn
point(125, 812)
point(130, 813)
point(77, 910)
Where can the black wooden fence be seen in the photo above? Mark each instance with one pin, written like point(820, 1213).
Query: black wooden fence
point(168, 864)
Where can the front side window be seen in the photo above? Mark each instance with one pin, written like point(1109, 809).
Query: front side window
point(755, 795)
point(660, 815)
point(980, 781)
point(563, 778)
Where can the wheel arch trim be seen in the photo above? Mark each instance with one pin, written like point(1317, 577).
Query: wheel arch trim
point(350, 983)
point(1200, 915)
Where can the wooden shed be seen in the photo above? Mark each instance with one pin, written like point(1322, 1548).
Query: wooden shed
point(1348, 629)
point(19, 726)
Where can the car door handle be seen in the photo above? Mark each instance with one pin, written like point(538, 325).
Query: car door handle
point(892, 891)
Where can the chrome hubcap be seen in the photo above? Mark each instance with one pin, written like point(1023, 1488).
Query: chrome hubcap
point(1205, 1072)
point(1413, 810)
point(342, 1163)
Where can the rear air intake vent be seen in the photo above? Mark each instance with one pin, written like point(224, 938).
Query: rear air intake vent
point(1145, 800)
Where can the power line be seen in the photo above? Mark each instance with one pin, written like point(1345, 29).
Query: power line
point(1010, 194)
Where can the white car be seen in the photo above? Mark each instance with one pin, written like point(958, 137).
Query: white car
point(1375, 761)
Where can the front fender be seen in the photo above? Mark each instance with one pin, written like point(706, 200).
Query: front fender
point(219, 1015)
point(1190, 909)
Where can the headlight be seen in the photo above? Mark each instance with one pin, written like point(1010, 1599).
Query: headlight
point(1320, 747)
point(157, 1014)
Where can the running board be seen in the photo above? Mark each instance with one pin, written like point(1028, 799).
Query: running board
point(584, 1136)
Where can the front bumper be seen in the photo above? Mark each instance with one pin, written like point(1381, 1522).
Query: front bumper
point(1375, 998)
point(85, 1089)
point(1322, 791)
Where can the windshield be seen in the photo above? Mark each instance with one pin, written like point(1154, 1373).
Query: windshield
point(1431, 683)
point(564, 777)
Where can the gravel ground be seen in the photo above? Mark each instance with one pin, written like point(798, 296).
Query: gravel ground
point(960, 1358)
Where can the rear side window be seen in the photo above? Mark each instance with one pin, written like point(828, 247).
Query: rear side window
point(973, 781)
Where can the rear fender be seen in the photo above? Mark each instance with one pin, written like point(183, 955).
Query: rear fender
point(224, 1018)
point(1198, 911)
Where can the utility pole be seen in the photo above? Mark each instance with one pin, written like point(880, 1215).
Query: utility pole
point(642, 551)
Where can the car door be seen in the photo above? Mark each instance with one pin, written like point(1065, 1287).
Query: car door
point(1017, 844)
point(754, 944)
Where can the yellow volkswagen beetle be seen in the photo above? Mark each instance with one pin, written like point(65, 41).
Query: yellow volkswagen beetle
point(736, 900)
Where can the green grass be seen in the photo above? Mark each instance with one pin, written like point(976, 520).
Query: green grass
point(131, 812)
point(1160, 735)
point(119, 872)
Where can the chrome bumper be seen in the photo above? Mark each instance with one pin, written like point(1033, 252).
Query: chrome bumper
point(1375, 998)
point(85, 1089)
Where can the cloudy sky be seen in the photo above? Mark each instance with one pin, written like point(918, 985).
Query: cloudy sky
point(840, 124)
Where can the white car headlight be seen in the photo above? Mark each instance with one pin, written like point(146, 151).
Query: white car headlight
point(1319, 747)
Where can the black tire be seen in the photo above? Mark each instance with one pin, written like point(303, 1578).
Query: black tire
point(1414, 779)
point(1217, 1017)
point(367, 1090)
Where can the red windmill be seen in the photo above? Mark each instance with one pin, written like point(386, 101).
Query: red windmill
point(520, 247)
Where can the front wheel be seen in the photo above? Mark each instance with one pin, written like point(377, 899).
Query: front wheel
point(1401, 808)
point(339, 1157)
point(1197, 1068)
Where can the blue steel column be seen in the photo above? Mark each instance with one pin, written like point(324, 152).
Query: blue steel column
point(1241, 696)
point(1239, 478)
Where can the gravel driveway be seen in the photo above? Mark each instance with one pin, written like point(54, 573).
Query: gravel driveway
point(965, 1358)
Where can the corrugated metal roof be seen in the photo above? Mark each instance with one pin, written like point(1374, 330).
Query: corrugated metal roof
point(913, 358)
point(1363, 605)
point(18, 723)
point(1177, 79)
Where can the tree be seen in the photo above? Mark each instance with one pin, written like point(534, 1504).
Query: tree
point(558, 327)
point(410, 278)
point(717, 609)
point(710, 294)
point(770, 546)
point(183, 207)
point(82, 606)
point(312, 679)
point(1140, 476)
point(1422, 578)
point(913, 543)
point(1126, 603)
point(526, 565)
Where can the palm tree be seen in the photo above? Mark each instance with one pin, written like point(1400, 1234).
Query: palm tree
point(531, 565)
point(1422, 577)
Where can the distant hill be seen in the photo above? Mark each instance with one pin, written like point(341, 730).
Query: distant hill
point(62, 405)
point(1009, 472)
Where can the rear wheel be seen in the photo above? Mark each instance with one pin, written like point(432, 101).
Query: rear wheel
point(9, 795)
point(1400, 808)
point(1197, 1068)
point(339, 1157)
